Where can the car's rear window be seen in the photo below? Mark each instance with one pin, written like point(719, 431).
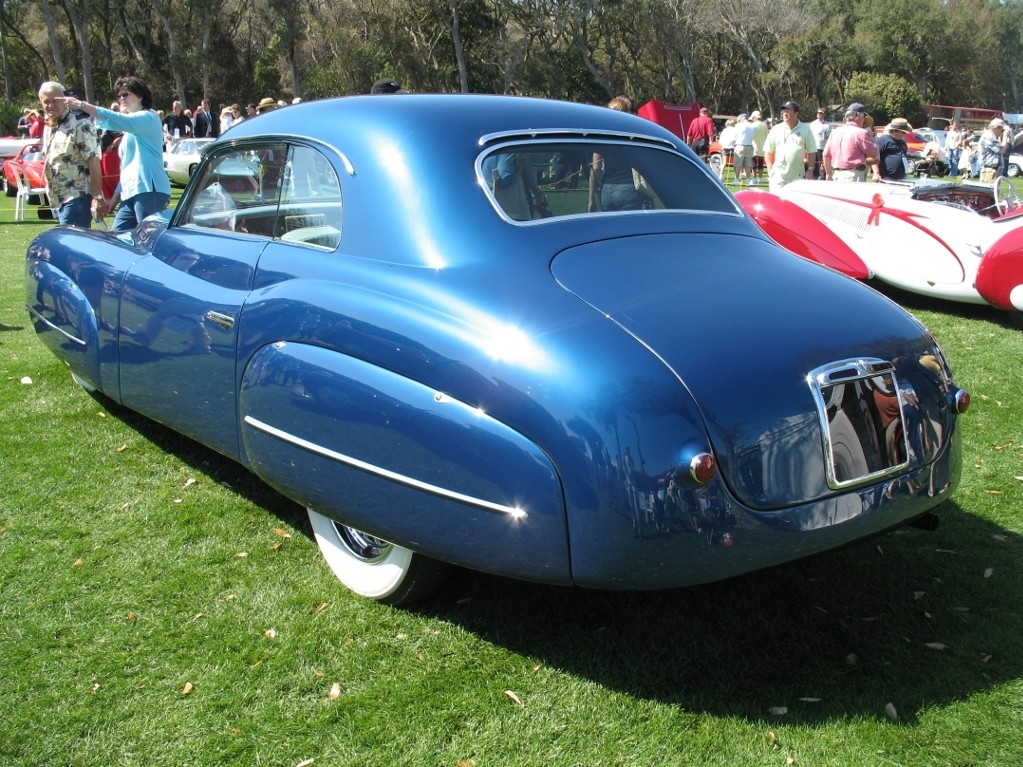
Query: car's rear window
point(537, 180)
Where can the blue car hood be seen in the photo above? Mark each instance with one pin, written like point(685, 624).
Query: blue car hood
point(741, 323)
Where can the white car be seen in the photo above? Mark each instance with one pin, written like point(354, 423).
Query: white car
point(11, 145)
point(962, 242)
point(1015, 169)
point(181, 156)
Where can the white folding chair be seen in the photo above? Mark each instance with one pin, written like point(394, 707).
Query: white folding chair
point(25, 192)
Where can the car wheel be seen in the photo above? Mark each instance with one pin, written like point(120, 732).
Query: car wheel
point(191, 169)
point(10, 189)
point(1014, 170)
point(374, 568)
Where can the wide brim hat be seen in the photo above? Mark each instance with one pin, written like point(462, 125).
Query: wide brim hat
point(267, 103)
point(899, 123)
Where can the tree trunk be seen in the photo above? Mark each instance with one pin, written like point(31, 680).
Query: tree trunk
point(79, 18)
point(51, 34)
point(162, 9)
point(456, 39)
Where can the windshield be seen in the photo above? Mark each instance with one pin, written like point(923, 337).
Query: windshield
point(566, 178)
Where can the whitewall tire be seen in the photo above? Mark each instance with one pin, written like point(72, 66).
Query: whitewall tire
point(374, 568)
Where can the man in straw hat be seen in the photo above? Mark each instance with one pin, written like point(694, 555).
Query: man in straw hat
point(893, 154)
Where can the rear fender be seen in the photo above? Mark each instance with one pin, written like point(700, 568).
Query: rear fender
point(801, 233)
point(402, 461)
point(1000, 274)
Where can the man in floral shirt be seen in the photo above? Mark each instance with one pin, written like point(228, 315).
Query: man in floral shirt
point(72, 159)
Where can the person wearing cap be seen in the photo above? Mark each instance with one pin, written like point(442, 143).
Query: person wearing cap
point(892, 152)
point(821, 130)
point(991, 147)
point(788, 149)
point(700, 132)
point(265, 105)
point(250, 110)
point(386, 85)
point(759, 137)
point(850, 149)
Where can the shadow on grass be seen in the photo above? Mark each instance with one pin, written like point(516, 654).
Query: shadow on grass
point(908, 618)
point(914, 618)
point(949, 309)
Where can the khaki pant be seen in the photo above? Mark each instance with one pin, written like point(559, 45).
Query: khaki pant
point(848, 176)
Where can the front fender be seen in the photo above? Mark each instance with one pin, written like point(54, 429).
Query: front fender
point(801, 233)
point(64, 317)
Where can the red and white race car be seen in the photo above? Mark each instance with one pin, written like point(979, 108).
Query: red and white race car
point(30, 159)
point(962, 242)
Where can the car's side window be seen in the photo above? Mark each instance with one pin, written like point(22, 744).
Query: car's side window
point(310, 210)
point(239, 190)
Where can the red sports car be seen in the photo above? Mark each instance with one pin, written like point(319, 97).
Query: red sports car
point(30, 158)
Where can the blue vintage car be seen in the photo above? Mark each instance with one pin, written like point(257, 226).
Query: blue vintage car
point(530, 338)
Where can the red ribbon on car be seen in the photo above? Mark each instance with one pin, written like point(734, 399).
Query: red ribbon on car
point(875, 210)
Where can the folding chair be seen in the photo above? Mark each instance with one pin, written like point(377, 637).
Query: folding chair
point(25, 192)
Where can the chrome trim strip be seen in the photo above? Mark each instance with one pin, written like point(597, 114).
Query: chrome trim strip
point(579, 134)
point(68, 336)
point(381, 472)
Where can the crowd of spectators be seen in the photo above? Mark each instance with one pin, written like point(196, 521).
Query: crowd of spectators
point(855, 150)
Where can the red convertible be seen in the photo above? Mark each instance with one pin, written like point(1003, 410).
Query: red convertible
point(30, 158)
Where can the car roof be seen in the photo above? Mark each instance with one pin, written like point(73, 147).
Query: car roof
point(415, 118)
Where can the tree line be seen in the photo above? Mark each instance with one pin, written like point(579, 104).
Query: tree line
point(731, 55)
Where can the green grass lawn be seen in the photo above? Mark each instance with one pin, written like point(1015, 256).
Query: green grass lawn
point(161, 607)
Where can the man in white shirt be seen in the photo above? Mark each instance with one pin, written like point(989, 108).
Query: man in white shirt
point(821, 130)
point(742, 158)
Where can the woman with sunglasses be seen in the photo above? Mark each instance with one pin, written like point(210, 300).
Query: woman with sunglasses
point(144, 188)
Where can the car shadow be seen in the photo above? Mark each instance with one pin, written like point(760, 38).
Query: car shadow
point(915, 301)
point(913, 618)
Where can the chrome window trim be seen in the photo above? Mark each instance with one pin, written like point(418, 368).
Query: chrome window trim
point(573, 133)
point(518, 139)
point(847, 371)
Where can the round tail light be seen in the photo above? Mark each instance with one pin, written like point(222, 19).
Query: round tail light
point(703, 467)
point(962, 400)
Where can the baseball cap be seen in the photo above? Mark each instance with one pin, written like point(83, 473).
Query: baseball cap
point(792, 106)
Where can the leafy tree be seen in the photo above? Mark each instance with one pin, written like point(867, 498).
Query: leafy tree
point(886, 97)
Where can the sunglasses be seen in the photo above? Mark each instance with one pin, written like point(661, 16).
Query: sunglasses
point(124, 94)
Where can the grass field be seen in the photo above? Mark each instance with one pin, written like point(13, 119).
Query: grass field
point(162, 607)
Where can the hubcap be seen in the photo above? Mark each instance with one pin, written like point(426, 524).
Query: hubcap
point(362, 545)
